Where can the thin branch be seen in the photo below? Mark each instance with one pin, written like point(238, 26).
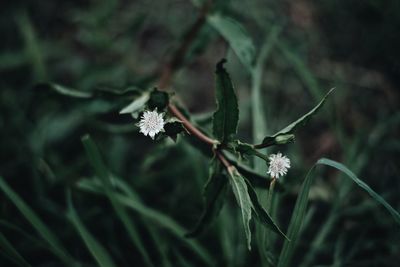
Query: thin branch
point(190, 127)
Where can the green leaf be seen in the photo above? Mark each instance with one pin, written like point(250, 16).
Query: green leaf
point(64, 90)
point(261, 214)
point(300, 67)
point(225, 119)
point(96, 249)
point(136, 104)
point(296, 221)
point(155, 217)
point(286, 134)
point(239, 188)
point(11, 252)
point(105, 93)
point(301, 205)
point(102, 172)
point(214, 192)
point(54, 244)
point(237, 37)
point(360, 183)
point(173, 128)
point(158, 100)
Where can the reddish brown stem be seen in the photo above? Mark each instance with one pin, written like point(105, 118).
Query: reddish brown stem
point(223, 160)
point(190, 127)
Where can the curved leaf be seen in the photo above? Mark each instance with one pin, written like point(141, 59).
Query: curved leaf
point(240, 190)
point(136, 104)
point(11, 252)
point(261, 214)
point(214, 197)
point(236, 36)
point(225, 119)
point(296, 221)
point(301, 204)
point(54, 244)
point(395, 214)
point(96, 249)
point(101, 171)
point(155, 216)
point(286, 134)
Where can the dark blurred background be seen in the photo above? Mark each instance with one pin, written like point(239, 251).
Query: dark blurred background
point(351, 45)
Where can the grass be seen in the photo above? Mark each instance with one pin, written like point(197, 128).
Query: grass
point(116, 198)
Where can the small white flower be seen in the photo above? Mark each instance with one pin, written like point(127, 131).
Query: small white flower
point(151, 123)
point(278, 165)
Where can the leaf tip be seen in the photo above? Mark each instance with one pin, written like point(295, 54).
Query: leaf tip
point(220, 65)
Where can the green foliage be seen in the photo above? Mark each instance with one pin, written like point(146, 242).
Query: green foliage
point(296, 221)
point(285, 135)
point(66, 74)
point(96, 249)
point(137, 104)
point(239, 188)
point(154, 216)
point(173, 128)
point(214, 197)
point(10, 251)
point(158, 100)
point(299, 210)
point(262, 215)
point(54, 245)
point(237, 37)
point(363, 185)
point(226, 117)
point(101, 172)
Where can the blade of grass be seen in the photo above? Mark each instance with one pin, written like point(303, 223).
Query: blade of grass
point(10, 251)
point(33, 49)
point(257, 107)
point(395, 214)
point(98, 165)
point(296, 220)
point(54, 245)
point(96, 249)
point(301, 205)
point(302, 70)
point(155, 217)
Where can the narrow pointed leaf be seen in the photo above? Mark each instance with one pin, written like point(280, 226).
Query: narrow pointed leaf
point(225, 119)
point(154, 216)
point(214, 193)
point(98, 252)
point(301, 205)
point(54, 244)
point(395, 214)
point(64, 90)
point(261, 214)
point(136, 104)
point(286, 134)
point(296, 221)
point(101, 171)
point(237, 37)
point(11, 252)
point(240, 190)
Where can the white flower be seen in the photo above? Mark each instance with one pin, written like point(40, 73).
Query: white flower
point(278, 165)
point(151, 123)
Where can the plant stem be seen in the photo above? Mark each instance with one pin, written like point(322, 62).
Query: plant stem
point(270, 194)
point(267, 233)
point(261, 155)
point(190, 127)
